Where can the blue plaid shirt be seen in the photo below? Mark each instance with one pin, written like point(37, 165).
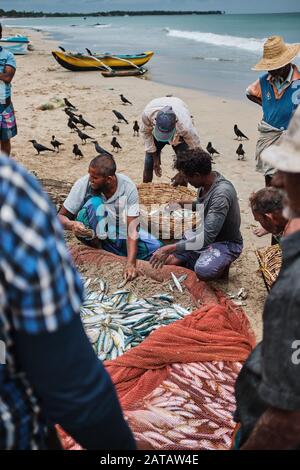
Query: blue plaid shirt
point(39, 292)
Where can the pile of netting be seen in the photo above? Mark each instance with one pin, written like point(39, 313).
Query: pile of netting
point(176, 388)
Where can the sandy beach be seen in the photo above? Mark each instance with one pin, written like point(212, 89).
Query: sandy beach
point(39, 79)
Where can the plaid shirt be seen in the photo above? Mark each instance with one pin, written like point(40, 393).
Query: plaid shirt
point(39, 292)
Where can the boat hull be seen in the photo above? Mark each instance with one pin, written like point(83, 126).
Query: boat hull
point(16, 45)
point(82, 63)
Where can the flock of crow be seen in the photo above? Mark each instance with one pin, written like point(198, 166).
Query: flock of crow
point(240, 150)
point(75, 120)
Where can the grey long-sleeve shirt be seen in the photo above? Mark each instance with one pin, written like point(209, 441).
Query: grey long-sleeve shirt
point(222, 217)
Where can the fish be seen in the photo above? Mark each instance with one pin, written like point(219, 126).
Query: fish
point(176, 282)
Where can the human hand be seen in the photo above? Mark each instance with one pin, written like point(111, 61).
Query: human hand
point(159, 258)
point(130, 272)
point(157, 169)
point(80, 230)
point(179, 180)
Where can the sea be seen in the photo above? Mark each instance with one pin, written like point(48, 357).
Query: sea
point(211, 53)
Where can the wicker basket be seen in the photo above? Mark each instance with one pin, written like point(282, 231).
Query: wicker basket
point(270, 260)
point(165, 226)
point(56, 190)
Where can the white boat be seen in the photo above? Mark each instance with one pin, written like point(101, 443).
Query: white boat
point(18, 44)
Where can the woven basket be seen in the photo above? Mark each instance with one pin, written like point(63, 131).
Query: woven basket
point(153, 198)
point(270, 260)
point(56, 190)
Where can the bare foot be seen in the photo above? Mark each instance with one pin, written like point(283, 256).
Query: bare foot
point(260, 232)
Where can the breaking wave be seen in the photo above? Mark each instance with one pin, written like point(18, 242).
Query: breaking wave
point(248, 44)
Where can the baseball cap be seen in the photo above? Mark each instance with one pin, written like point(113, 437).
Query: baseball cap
point(165, 125)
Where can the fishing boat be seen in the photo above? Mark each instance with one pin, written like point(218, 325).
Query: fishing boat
point(18, 44)
point(81, 62)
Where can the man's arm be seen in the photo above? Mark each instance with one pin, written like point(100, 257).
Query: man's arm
point(8, 74)
point(67, 220)
point(130, 271)
point(275, 430)
point(146, 131)
point(190, 136)
point(254, 93)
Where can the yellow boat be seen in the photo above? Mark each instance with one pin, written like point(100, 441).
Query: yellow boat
point(82, 62)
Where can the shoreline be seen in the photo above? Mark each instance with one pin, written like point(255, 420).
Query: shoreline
point(39, 79)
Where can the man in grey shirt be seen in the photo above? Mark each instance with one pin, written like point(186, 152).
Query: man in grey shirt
point(212, 248)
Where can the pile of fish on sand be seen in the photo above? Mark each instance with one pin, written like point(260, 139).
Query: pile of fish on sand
point(117, 322)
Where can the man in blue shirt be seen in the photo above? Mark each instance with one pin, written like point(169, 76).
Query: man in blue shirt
point(49, 373)
point(8, 126)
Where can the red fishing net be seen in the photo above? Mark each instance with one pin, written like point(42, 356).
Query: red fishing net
point(177, 387)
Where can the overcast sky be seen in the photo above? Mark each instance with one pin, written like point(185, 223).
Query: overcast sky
point(230, 6)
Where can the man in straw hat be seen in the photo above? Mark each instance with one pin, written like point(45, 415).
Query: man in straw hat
point(278, 92)
point(268, 386)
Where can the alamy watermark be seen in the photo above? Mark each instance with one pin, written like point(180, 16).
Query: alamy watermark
point(2, 353)
point(296, 353)
point(161, 221)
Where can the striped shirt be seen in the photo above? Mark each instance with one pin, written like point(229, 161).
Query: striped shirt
point(40, 291)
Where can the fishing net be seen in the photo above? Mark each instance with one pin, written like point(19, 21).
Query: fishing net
point(177, 387)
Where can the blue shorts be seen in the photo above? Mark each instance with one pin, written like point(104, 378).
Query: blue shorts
point(8, 125)
point(211, 262)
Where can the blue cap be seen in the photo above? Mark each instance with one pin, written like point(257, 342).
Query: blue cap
point(165, 125)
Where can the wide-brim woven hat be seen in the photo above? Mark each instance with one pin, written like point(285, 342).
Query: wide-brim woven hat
point(285, 155)
point(277, 54)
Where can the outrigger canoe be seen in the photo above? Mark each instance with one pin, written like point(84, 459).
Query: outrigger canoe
point(82, 62)
point(18, 44)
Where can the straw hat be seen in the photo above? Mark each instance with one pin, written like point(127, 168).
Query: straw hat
point(285, 155)
point(277, 54)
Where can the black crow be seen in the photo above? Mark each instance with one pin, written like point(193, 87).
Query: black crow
point(68, 104)
point(83, 136)
point(100, 149)
point(116, 144)
point(239, 134)
point(72, 125)
point(136, 129)
point(84, 123)
point(125, 100)
point(211, 150)
point(115, 129)
point(39, 147)
point(77, 152)
point(55, 143)
point(240, 152)
point(119, 116)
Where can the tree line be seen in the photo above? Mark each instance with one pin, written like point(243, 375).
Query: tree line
point(39, 14)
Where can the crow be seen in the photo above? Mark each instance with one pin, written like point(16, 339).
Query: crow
point(69, 112)
point(84, 123)
point(61, 48)
point(136, 129)
point(115, 129)
point(39, 147)
point(125, 100)
point(119, 116)
point(68, 104)
point(77, 152)
point(239, 133)
point(116, 144)
point(211, 150)
point(55, 143)
point(83, 136)
point(72, 125)
point(100, 150)
point(75, 119)
point(240, 152)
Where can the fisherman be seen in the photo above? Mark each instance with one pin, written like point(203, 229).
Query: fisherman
point(268, 386)
point(217, 241)
point(49, 373)
point(8, 126)
point(267, 207)
point(278, 92)
point(107, 203)
point(166, 120)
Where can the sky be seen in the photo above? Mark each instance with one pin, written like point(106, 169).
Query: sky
point(85, 6)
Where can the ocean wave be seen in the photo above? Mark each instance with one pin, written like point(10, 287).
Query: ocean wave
point(102, 25)
point(248, 44)
point(213, 59)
